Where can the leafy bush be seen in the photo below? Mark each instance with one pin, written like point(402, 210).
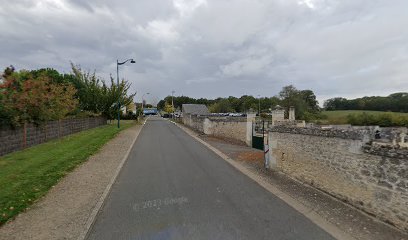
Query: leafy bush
point(28, 98)
point(383, 120)
point(128, 116)
point(313, 117)
point(45, 94)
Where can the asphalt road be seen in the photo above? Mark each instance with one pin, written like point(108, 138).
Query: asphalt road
point(173, 187)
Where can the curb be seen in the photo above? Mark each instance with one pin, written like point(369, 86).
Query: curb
point(92, 217)
point(306, 211)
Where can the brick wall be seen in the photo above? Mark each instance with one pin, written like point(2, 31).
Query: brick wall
point(29, 135)
point(348, 165)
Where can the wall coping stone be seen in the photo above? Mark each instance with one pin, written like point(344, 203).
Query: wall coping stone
point(331, 133)
point(220, 118)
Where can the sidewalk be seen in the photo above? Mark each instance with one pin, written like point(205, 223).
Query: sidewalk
point(64, 213)
point(348, 219)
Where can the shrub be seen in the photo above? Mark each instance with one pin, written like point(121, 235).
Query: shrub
point(383, 120)
point(265, 116)
point(25, 98)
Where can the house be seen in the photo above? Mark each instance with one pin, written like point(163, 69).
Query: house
point(194, 109)
point(131, 107)
point(189, 110)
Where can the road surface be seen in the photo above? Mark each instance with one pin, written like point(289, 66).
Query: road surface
point(173, 187)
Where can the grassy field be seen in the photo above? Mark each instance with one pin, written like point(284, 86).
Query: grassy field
point(340, 117)
point(27, 175)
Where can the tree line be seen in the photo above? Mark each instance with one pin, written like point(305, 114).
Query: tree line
point(45, 94)
point(303, 100)
point(396, 102)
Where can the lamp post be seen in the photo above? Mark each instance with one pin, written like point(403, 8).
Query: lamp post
point(117, 78)
point(172, 103)
point(143, 100)
point(259, 105)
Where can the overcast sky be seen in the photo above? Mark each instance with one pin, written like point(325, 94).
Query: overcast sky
point(212, 48)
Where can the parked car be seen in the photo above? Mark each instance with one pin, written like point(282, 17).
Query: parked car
point(237, 115)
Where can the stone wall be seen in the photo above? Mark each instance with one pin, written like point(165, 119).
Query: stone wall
point(233, 128)
point(194, 121)
point(30, 134)
point(224, 127)
point(347, 165)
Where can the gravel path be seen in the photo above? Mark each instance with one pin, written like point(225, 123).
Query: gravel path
point(64, 212)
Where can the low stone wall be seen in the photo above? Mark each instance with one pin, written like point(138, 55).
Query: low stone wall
point(194, 121)
point(233, 128)
point(347, 165)
point(224, 127)
point(30, 134)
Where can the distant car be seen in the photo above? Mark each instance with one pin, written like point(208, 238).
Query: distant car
point(236, 115)
point(166, 115)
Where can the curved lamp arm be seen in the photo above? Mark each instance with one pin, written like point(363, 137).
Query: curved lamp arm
point(130, 59)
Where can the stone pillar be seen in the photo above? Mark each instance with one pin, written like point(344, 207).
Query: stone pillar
point(250, 120)
point(207, 127)
point(278, 115)
point(402, 142)
point(272, 145)
point(292, 114)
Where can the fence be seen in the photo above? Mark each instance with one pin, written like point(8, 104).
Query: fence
point(30, 134)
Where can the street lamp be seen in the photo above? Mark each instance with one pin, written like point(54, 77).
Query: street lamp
point(143, 101)
point(259, 105)
point(117, 78)
point(172, 103)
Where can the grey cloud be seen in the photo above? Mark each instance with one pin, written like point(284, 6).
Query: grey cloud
point(211, 48)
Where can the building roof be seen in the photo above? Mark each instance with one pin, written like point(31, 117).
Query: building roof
point(198, 109)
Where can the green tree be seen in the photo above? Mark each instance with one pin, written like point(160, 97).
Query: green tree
point(222, 106)
point(161, 105)
point(168, 108)
point(248, 103)
point(309, 98)
point(304, 101)
point(291, 97)
point(396, 102)
point(96, 96)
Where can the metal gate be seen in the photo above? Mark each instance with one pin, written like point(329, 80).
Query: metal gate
point(260, 138)
point(258, 133)
point(258, 142)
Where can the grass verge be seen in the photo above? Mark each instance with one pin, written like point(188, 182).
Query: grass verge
point(27, 175)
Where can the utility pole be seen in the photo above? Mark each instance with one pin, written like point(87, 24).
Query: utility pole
point(117, 77)
point(172, 102)
point(259, 105)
